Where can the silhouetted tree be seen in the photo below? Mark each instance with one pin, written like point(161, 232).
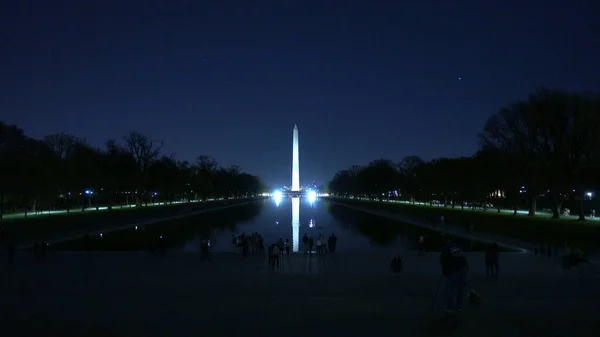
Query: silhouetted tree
point(552, 135)
point(544, 147)
point(12, 143)
point(408, 168)
point(62, 171)
point(145, 151)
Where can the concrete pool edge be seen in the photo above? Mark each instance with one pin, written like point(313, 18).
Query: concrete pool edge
point(78, 236)
point(397, 217)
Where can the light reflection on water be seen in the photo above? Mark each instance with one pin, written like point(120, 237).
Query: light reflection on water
point(291, 218)
point(279, 215)
point(274, 220)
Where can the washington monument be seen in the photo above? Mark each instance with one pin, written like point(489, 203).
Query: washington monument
point(295, 162)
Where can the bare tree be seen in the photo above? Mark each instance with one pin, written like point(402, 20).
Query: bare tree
point(203, 180)
point(145, 151)
point(354, 170)
point(515, 130)
point(206, 163)
point(409, 164)
point(554, 134)
point(12, 140)
point(234, 170)
point(61, 143)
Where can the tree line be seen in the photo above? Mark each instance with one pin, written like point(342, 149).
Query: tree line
point(542, 152)
point(63, 171)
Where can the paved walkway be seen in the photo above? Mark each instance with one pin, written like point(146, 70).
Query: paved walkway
point(138, 294)
point(45, 213)
point(80, 234)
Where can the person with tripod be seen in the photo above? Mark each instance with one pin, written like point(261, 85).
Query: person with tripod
point(454, 269)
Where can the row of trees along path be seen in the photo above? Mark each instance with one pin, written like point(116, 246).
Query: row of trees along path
point(540, 153)
point(63, 172)
point(543, 149)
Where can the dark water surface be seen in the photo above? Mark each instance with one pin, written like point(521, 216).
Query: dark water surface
point(287, 218)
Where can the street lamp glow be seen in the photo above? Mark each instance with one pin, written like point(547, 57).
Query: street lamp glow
point(589, 194)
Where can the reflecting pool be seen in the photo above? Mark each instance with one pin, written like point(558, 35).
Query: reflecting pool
point(279, 218)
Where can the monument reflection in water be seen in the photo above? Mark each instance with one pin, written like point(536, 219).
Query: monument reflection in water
point(295, 224)
point(278, 196)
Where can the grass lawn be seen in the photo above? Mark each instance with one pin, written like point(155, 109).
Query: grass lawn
point(39, 227)
point(540, 228)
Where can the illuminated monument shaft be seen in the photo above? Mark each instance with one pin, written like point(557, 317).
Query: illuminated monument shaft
point(295, 162)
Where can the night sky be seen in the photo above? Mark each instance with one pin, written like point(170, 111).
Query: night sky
point(362, 79)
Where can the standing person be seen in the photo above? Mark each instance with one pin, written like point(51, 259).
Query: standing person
point(286, 245)
point(245, 246)
point(305, 241)
point(234, 243)
point(205, 250)
point(276, 257)
point(488, 260)
point(567, 257)
point(421, 245)
point(162, 246)
point(320, 245)
point(492, 256)
point(397, 264)
point(270, 256)
point(36, 250)
point(454, 268)
point(334, 241)
point(12, 251)
point(43, 249)
point(281, 246)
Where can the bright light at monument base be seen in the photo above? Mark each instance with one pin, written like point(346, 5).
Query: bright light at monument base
point(277, 197)
point(312, 196)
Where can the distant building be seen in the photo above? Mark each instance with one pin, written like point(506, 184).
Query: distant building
point(499, 194)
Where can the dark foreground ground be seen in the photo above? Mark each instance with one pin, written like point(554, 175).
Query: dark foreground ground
point(137, 294)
